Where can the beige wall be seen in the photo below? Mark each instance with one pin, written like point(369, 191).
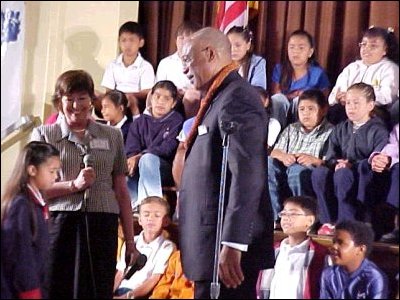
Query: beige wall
point(61, 36)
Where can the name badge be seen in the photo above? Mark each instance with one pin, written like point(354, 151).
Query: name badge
point(202, 129)
point(101, 144)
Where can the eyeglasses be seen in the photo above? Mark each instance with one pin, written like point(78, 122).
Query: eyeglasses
point(289, 215)
point(186, 59)
point(371, 47)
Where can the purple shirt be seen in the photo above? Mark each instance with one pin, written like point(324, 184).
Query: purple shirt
point(156, 136)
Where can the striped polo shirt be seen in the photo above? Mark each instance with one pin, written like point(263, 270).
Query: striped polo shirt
point(106, 147)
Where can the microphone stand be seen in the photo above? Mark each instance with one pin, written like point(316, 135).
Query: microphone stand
point(87, 162)
point(228, 128)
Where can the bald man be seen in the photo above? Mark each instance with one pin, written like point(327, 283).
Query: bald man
point(247, 235)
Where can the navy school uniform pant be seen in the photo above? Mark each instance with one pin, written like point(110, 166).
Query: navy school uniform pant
point(376, 187)
point(338, 194)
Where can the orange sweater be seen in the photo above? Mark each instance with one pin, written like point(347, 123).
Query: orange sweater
point(173, 284)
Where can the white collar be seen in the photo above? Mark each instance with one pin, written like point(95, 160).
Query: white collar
point(37, 195)
point(120, 123)
point(138, 61)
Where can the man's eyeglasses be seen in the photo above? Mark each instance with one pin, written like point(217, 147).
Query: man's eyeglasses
point(289, 215)
point(186, 59)
point(372, 47)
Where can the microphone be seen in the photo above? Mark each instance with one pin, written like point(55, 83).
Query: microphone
point(139, 264)
point(88, 160)
point(228, 128)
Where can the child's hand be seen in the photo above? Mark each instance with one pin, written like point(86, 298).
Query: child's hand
point(341, 97)
point(305, 159)
point(380, 162)
point(342, 163)
point(192, 95)
point(288, 159)
point(133, 162)
point(294, 94)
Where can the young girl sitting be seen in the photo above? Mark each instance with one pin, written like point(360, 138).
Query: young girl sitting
point(116, 112)
point(24, 226)
point(151, 144)
point(252, 67)
point(298, 72)
point(351, 142)
point(378, 67)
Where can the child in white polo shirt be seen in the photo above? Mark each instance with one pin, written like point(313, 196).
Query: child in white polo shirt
point(153, 217)
point(130, 72)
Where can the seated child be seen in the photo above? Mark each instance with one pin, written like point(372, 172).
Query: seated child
point(274, 127)
point(171, 68)
point(353, 275)
point(380, 177)
point(116, 112)
point(153, 217)
point(179, 160)
point(173, 284)
point(130, 72)
point(252, 67)
point(299, 260)
point(299, 149)
point(298, 72)
point(151, 144)
point(378, 67)
point(349, 143)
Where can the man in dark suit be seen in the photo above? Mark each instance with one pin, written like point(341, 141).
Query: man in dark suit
point(247, 235)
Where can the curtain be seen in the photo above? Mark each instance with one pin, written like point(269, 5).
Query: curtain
point(337, 27)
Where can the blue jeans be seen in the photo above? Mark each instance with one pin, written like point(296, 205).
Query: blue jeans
point(296, 178)
point(149, 178)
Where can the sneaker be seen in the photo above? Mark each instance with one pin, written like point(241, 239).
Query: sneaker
point(391, 237)
point(327, 229)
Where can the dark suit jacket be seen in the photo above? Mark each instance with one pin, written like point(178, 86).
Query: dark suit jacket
point(248, 215)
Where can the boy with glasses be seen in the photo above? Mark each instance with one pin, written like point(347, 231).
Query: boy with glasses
point(299, 260)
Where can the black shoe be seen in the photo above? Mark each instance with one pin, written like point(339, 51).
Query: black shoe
point(391, 237)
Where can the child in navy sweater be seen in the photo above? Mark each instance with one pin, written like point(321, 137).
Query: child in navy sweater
point(24, 228)
point(351, 142)
point(151, 144)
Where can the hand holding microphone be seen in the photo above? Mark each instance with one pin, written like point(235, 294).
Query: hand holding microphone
point(87, 175)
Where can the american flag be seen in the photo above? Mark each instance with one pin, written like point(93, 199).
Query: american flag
point(231, 13)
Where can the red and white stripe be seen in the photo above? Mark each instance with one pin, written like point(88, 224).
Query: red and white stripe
point(231, 13)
